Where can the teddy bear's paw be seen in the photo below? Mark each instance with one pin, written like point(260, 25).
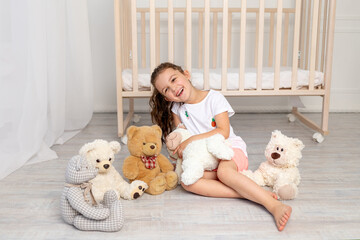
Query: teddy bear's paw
point(110, 197)
point(171, 180)
point(218, 148)
point(190, 177)
point(227, 153)
point(138, 188)
point(157, 185)
point(287, 192)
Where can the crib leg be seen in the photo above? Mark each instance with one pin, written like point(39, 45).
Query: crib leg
point(130, 114)
point(307, 121)
point(123, 124)
point(325, 114)
point(120, 114)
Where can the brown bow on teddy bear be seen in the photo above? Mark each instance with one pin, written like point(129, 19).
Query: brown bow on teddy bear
point(146, 163)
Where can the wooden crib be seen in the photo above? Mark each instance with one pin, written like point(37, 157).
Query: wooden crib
point(295, 35)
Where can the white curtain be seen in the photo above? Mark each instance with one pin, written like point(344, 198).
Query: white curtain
point(46, 87)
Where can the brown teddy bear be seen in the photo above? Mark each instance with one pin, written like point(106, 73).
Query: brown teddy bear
point(146, 163)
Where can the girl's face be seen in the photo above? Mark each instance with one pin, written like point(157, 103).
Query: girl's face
point(174, 85)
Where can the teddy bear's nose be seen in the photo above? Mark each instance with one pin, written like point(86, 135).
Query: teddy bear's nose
point(106, 166)
point(275, 155)
point(152, 146)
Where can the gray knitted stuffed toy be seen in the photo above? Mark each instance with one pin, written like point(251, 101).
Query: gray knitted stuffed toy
point(77, 201)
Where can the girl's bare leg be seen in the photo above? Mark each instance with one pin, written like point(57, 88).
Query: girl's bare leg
point(227, 173)
point(210, 186)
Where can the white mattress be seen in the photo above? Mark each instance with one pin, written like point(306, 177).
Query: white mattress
point(233, 78)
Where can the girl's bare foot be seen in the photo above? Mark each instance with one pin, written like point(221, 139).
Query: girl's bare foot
point(281, 213)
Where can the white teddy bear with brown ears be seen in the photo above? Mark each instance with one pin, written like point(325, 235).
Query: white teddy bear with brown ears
point(280, 170)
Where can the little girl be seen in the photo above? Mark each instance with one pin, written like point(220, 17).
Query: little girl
point(174, 102)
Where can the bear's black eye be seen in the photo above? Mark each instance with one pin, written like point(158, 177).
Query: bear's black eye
point(144, 143)
point(277, 148)
point(282, 149)
point(97, 160)
point(109, 159)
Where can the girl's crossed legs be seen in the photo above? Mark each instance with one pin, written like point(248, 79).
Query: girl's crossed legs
point(227, 182)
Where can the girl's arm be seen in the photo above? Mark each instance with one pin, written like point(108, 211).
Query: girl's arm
point(176, 120)
point(222, 127)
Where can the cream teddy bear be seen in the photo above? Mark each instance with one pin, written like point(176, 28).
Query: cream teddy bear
point(198, 155)
point(280, 170)
point(100, 154)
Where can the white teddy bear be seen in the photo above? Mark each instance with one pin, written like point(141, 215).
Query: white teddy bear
point(100, 154)
point(280, 170)
point(198, 155)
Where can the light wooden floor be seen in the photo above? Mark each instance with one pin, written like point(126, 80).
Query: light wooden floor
point(326, 208)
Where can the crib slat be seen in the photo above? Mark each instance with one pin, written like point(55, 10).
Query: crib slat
point(125, 15)
point(296, 45)
point(242, 46)
point(313, 45)
point(324, 36)
point(170, 31)
point(260, 45)
point(215, 24)
point(302, 33)
point(229, 39)
point(286, 39)
point(308, 28)
point(256, 39)
point(152, 36)
point(271, 40)
point(278, 44)
point(143, 41)
point(188, 35)
point(200, 42)
point(207, 45)
point(134, 46)
point(185, 37)
point(224, 46)
point(318, 38)
point(157, 30)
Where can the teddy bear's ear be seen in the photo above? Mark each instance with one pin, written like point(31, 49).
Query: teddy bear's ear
point(298, 143)
point(275, 133)
point(115, 146)
point(131, 131)
point(157, 130)
point(87, 148)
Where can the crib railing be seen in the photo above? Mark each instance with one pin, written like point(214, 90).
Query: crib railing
point(296, 38)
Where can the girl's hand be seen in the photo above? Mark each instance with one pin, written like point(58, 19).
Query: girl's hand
point(179, 150)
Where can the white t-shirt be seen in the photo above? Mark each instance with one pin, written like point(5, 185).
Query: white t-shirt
point(200, 117)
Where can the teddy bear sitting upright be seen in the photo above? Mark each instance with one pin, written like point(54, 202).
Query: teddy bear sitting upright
point(198, 155)
point(280, 170)
point(77, 204)
point(100, 154)
point(146, 163)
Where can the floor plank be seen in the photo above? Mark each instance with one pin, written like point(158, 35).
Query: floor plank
point(327, 206)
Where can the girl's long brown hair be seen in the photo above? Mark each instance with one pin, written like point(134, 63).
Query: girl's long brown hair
point(160, 108)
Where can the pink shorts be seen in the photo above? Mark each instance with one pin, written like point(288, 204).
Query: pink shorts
point(240, 159)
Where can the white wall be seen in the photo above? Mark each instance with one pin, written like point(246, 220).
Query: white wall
point(345, 89)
